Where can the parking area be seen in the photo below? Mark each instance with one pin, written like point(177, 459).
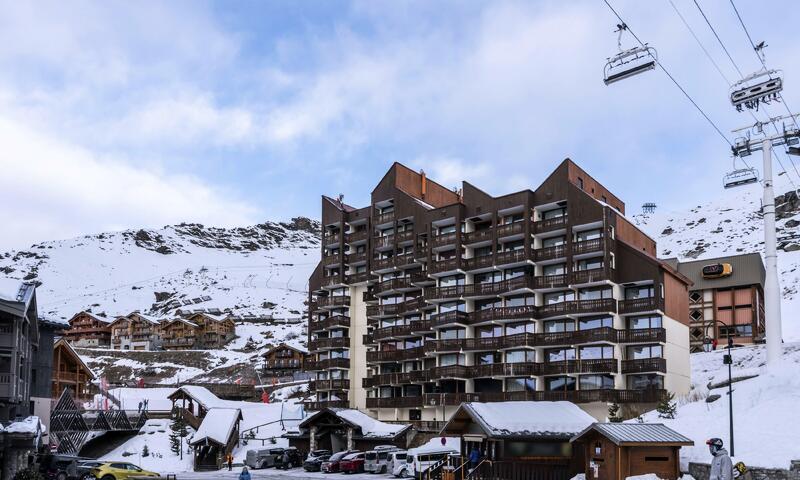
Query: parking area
point(294, 474)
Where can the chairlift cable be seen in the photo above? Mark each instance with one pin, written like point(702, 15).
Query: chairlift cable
point(700, 44)
point(664, 69)
point(714, 31)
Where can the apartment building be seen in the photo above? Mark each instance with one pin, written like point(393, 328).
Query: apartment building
point(284, 361)
point(726, 296)
point(431, 297)
point(87, 330)
point(196, 331)
point(135, 331)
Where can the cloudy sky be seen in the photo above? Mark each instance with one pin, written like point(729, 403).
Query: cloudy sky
point(116, 115)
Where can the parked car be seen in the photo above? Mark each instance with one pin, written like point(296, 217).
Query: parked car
point(353, 463)
point(332, 464)
point(318, 453)
point(119, 471)
point(376, 460)
point(54, 467)
point(295, 459)
point(398, 457)
point(315, 463)
point(263, 457)
point(85, 468)
point(417, 462)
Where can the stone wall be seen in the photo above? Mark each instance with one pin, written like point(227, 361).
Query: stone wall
point(700, 471)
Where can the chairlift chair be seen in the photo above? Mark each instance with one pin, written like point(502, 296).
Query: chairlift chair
point(628, 63)
point(760, 87)
point(739, 177)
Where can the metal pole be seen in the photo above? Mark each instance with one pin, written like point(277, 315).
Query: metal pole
point(730, 391)
point(772, 293)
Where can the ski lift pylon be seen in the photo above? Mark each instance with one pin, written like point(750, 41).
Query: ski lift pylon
point(739, 177)
point(760, 87)
point(630, 62)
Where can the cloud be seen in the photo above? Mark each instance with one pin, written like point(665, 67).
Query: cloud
point(51, 189)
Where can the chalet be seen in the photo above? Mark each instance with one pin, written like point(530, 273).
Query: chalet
point(338, 429)
point(284, 361)
point(135, 331)
point(88, 330)
point(521, 439)
point(70, 371)
point(615, 451)
point(179, 334)
point(215, 330)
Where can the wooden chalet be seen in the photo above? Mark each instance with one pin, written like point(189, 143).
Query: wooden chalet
point(179, 334)
point(615, 451)
point(338, 429)
point(69, 371)
point(135, 331)
point(283, 361)
point(87, 330)
point(216, 437)
point(215, 330)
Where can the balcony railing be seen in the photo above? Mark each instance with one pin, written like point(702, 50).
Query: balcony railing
point(575, 396)
point(503, 313)
point(421, 278)
point(605, 365)
point(452, 291)
point(644, 365)
point(393, 285)
point(475, 263)
point(323, 343)
point(404, 260)
point(311, 406)
point(478, 236)
point(338, 301)
point(356, 236)
point(587, 246)
point(590, 276)
point(450, 317)
point(637, 305)
point(600, 305)
point(450, 372)
point(396, 355)
point(443, 240)
point(440, 266)
point(510, 229)
point(332, 259)
point(549, 253)
point(642, 335)
point(328, 363)
point(593, 335)
point(405, 236)
point(357, 257)
point(357, 277)
point(383, 263)
point(330, 239)
point(511, 256)
point(398, 378)
point(394, 402)
point(334, 384)
point(330, 322)
point(549, 224)
point(551, 281)
point(391, 332)
point(379, 219)
point(383, 241)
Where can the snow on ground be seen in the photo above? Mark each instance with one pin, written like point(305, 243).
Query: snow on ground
point(765, 408)
point(160, 459)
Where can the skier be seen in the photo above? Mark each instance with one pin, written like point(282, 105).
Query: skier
point(721, 465)
point(245, 475)
point(140, 407)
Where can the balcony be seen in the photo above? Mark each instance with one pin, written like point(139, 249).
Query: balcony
point(640, 305)
point(355, 237)
point(313, 406)
point(606, 365)
point(334, 302)
point(334, 384)
point(478, 236)
point(333, 281)
point(449, 318)
point(551, 281)
point(360, 277)
point(396, 355)
point(507, 369)
point(502, 313)
point(329, 260)
point(397, 331)
point(393, 285)
point(550, 224)
point(450, 372)
point(550, 253)
point(402, 261)
point(443, 240)
point(510, 257)
point(510, 229)
point(328, 343)
point(332, 239)
point(643, 335)
point(642, 365)
point(575, 396)
point(328, 363)
point(383, 218)
point(405, 236)
point(445, 293)
point(330, 322)
point(572, 307)
point(421, 278)
point(594, 335)
point(463, 344)
point(178, 342)
point(475, 263)
point(383, 242)
point(398, 378)
point(594, 275)
point(587, 246)
point(354, 258)
point(394, 402)
point(393, 309)
point(379, 264)
point(441, 266)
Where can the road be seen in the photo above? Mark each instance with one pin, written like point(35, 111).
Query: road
point(271, 473)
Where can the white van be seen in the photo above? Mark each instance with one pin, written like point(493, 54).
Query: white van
point(376, 460)
point(417, 463)
point(394, 459)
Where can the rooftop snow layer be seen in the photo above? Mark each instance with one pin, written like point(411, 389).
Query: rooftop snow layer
point(532, 418)
point(369, 426)
point(217, 425)
point(9, 289)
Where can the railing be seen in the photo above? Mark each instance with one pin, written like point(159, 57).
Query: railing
point(339, 301)
point(503, 313)
point(332, 259)
point(331, 239)
point(593, 335)
point(551, 281)
point(444, 265)
point(549, 253)
point(328, 363)
point(190, 418)
point(475, 263)
point(356, 236)
point(368, 339)
point(394, 402)
point(450, 372)
point(393, 284)
point(587, 246)
point(644, 365)
point(510, 229)
point(590, 276)
point(642, 335)
point(600, 305)
point(511, 256)
point(550, 224)
point(327, 404)
point(383, 241)
point(332, 280)
point(637, 305)
point(403, 260)
point(396, 355)
point(391, 309)
point(394, 331)
point(406, 236)
point(478, 236)
point(443, 240)
point(383, 263)
point(575, 396)
point(336, 342)
point(334, 321)
point(447, 318)
point(357, 277)
point(453, 291)
point(357, 257)
point(507, 369)
point(605, 365)
point(331, 384)
point(383, 218)
point(421, 277)
point(397, 378)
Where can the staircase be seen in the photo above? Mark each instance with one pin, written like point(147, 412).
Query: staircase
point(206, 459)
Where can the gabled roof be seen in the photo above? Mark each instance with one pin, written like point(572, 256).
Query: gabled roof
point(63, 343)
point(16, 295)
point(167, 323)
point(284, 345)
point(623, 434)
point(369, 427)
point(92, 315)
point(214, 318)
point(217, 426)
point(522, 419)
point(340, 205)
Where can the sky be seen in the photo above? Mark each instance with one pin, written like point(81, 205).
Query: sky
point(117, 115)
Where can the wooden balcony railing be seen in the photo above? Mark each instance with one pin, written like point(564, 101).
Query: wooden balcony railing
point(331, 239)
point(382, 218)
point(575, 396)
point(383, 263)
point(587, 246)
point(440, 266)
point(644, 365)
point(312, 406)
point(638, 305)
point(357, 277)
point(450, 372)
point(443, 240)
point(448, 318)
point(328, 363)
point(549, 253)
point(334, 384)
point(383, 241)
point(338, 301)
point(391, 332)
point(642, 335)
point(394, 402)
point(606, 365)
point(549, 224)
point(356, 236)
point(475, 263)
point(503, 313)
point(398, 378)
point(393, 284)
point(405, 236)
point(478, 236)
point(551, 281)
point(510, 229)
point(396, 355)
point(332, 259)
point(323, 343)
point(511, 256)
point(357, 257)
point(330, 322)
point(590, 276)
point(600, 305)
point(452, 291)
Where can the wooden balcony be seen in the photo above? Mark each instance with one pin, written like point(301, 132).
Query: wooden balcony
point(594, 335)
point(396, 355)
point(503, 313)
point(593, 275)
point(575, 396)
point(448, 318)
point(357, 278)
point(368, 339)
point(599, 306)
point(450, 372)
point(643, 365)
point(332, 239)
point(441, 266)
point(510, 229)
point(443, 240)
point(383, 263)
point(357, 257)
point(328, 260)
point(588, 246)
point(394, 402)
point(640, 305)
point(383, 241)
point(443, 293)
point(313, 406)
point(402, 261)
point(328, 363)
point(606, 365)
point(330, 322)
point(356, 236)
point(421, 278)
point(339, 301)
point(397, 331)
point(550, 224)
point(398, 378)
point(475, 263)
point(478, 236)
point(393, 285)
point(329, 343)
point(507, 369)
point(335, 384)
point(642, 335)
point(510, 257)
point(551, 281)
point(406, 236)
point(380, 219)
point(549, 253)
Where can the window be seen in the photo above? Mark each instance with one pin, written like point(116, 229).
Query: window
point(520, 356)
point(523, 384)
point(489, 303)
point(644, 351)
point(489, 277)
point(555, 213)
point(452, 333)
point(590, 323)
point(514, 272)
point(520, 327)
point(588, 235)
point(593, 263)
point(594, 293)
point(520, 300)
point(695, 296)
point(451, 359)
point(559, 354)
point(513, 218)
point(736, 331)
point(451, 280)
point(446, 229)
point(489, 331)
point(554, 384)
point(415, 414)
point(641, 291)
point(555, 269)
point(580, 183)
point(596, 382)
point(554, 326)
point(643, 322)
point(558, 297)
point(452, 306)
point(554, 241)
point(513, 246)
point(696, 315)
point(488, 358)
point(644, 382)
point(597, 353)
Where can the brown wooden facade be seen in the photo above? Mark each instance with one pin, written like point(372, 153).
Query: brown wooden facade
point(179, 334)
point(69, 371)
point(87, 330)
point(284, 361)
point(214, 330)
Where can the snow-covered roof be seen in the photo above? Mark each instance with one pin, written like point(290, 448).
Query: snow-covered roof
point(217, 426)
point(181, 320)
point(30, 424)
point(93, 316)
point(369, 426)
point(10, 289)
point(527, 418)
point(64, 343)
point(202, 396)
point(626, 433)
point(16, 294)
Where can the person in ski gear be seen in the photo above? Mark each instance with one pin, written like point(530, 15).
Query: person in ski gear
point(285, 460)
point(474, 457)
point(245, 475)
point(230, 462)
point(721, 465)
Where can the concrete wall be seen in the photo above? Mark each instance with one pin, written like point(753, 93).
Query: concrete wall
point(676, 351)
point(358, 351)
point(700, 471)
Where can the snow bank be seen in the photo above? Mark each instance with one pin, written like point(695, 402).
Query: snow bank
point(160, 458)
point(505, 418)
point(30, 424)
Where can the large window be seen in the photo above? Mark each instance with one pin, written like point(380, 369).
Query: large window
point(520, 327)
point(553, 326)
point(647, 381)
point(639, 291)
point(487, 358)
point(488, 303)
point(588, 235)
point(554, 213)
point(451, 280)
point(639, 352)
point(554, 269)
point(520, 300)
point(452, 306)
point(510, 273)
point(489, 331)
point(594, 293)
point(558, 297)
point(554, 384)
point(559, 354)
point(451, 359)
point(644, 322)
point(595, 322)
point(593, 263)
point(520, 356)
point(452, 333)
point(523, 384)
point(489, 277)
point(596, 382)
point(597, 352)
point(736, 331)
point(554, 241)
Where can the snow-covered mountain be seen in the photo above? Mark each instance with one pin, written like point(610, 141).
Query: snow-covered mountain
point(732, 224)
point(255, 270)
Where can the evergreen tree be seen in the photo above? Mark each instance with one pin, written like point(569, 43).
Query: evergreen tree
point(667, 408)
point(178, 427)
point(613, 413)
point(145, 451)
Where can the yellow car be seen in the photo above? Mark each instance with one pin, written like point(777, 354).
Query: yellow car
point(119, 471)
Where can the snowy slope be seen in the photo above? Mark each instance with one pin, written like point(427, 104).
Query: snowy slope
point(765, 408)
point(254, 270)
point(732, 224)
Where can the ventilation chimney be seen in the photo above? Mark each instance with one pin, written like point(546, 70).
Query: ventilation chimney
point(424, 183)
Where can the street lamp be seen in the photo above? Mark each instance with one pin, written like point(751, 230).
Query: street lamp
point(726, 360)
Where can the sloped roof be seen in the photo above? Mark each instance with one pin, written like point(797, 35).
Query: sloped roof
point(217, 426)
point(622, 434)
point(748, 269)
point(370, 428)
point(524, 419)
point(16, 295)
point(62, 342)
point(284, 345)
point(181, 320)
point(94, 317)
